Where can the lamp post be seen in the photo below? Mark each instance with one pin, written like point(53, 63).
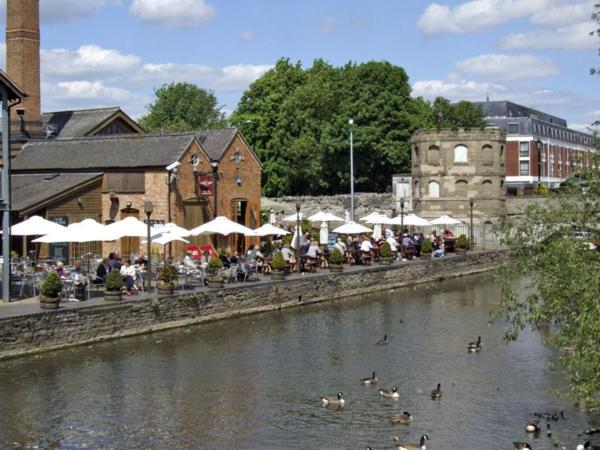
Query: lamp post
point(171, 179)
point(401, 227)
point(471, 243)
point(148, 210)
point(215, 166)
point(298, 231)
point(351, 123)
point(539, 146)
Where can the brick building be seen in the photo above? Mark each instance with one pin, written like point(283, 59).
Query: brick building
point(99, 163)
point(562, 152)
point(451, 166)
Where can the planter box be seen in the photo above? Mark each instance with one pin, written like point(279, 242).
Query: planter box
point(385, 261)
point(278, 275)
point(49, 303)
point(460, 251)
point(336, 269)
point(215, 284)
point(112, 296)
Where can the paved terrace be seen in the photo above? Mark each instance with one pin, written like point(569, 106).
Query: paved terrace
point(31, 305)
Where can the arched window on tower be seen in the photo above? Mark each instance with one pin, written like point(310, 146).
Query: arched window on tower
point(486, 188)
point(461, 154)
point(487, 155)
point(434, 189)
point(433, 154)
point(461, 188)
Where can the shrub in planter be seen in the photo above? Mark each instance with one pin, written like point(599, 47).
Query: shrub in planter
point(278, 265)
point(166, 279)
point(426, 247)
point(385, 253)
point(336, 261)
point(50, 290)
point(113, 286)
point(462, 244)
point(215, 279)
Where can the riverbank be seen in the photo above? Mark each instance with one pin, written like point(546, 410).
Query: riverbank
point(25, 329)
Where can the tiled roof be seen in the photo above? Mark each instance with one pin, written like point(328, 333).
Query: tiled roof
point(216, 141)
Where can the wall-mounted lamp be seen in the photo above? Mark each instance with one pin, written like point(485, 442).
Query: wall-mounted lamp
point(128, 204)
point(79, 202)
point(238, 180)
point(112, 195)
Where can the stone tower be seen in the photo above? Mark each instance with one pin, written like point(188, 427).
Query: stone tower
point(23, 66)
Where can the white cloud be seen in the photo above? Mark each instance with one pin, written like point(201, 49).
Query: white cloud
point(87, 90)
point(327, 26)
point(456, 90)
point(564, 14)
point(173, 13)
point(86, 60)
point(585, 127)
point(229, 78)
point(248, 36)
point(507, 67)
point(571, 37)
point(53, 11)
point(476, 15)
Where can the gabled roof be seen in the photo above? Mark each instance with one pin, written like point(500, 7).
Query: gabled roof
point(85, 122)
point(14, 91)
point(216, 142)
point(123, 151)
point(32, 192)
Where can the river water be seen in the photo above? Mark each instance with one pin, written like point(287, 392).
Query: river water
point(255, 382)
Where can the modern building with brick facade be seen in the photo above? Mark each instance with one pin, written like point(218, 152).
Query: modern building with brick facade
point(451, 166)
point(562, 151)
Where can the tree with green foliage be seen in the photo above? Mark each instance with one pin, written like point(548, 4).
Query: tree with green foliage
point(182, 107)
point(457, 115)
point(596, 18)
point(553, 279)
point(297, 121)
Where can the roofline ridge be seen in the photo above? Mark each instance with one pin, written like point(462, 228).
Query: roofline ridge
point(128, 136)
point(83, 110)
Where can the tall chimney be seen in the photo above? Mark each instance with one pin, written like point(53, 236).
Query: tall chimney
point(23, 66)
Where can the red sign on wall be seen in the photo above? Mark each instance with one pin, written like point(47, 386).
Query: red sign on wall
point(205, 184)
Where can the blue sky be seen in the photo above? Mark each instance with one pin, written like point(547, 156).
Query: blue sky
point(113, 52)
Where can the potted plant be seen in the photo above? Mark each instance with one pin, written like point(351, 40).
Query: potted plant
point(336, 261)
point(461, 245)
point(113, 286)
point(278, 266)
point(385, 254)
point(214, 278)
point(166, 277)
point(426, 248)
point(50, 290)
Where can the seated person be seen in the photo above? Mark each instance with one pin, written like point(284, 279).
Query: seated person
point(253, 254)
point(140, 260)
point(312, 255)
point(288, 254)
point(408, 246)
point(60, 269)
point(128, 274)
point(188, 261)
point(102, 271)
point(79, 278)
point(440, 251)
point(393, 244)
point(340, 246)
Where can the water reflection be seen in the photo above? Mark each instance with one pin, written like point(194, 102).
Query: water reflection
point(256, 382)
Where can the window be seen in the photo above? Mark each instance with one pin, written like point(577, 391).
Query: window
point(124, 182)
point(434, 189)
point(461, 188)
point(524, 168)
point(433, 155)
point(417, 192)
point(524, 149)
point(486, 188)
point(513, 128)
point(460, 154)
point(416, 153)
point(487, 155)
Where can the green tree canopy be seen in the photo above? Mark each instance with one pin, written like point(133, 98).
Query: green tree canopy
point(297, 121)
point(181, 107)
point(559, 279)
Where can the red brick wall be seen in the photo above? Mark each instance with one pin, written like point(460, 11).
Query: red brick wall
point(512, 159)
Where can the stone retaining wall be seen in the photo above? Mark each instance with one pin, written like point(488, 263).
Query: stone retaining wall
point(50, 330)
point(364, 203)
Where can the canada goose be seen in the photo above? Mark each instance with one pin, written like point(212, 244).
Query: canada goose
point(587, 445)
point(390, 393)
point(411, 446)
point(334, 400)
point(437, 392)
point(474, 347)
point(521, 445)
point(533, 426)
point(405, 418)
point(383, 341)
point(369, 380)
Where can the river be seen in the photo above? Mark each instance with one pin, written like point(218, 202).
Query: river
point(255, 382)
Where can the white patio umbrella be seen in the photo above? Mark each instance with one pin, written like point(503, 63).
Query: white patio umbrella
point(87, 231)
point(445, 220)
point(35, 226)
point(324, 233)
point(292, 218)
point(165, 238)
point(370, 217)
point(222, 225)
point(170, 228)
point(269, 230)
point(409, 220)
point(325, 217)
point(352, 228)
point(128, 227)
point(378, 219)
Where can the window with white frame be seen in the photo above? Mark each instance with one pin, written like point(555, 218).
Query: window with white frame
point(434, 189)
point(524, 168)
point(524, 149)
point(460, 154)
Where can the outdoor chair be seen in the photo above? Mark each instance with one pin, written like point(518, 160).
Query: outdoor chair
point(249, 269)
point(231, 273)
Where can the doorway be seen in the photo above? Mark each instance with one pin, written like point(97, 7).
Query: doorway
point(129, 245)
point(239, 215)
